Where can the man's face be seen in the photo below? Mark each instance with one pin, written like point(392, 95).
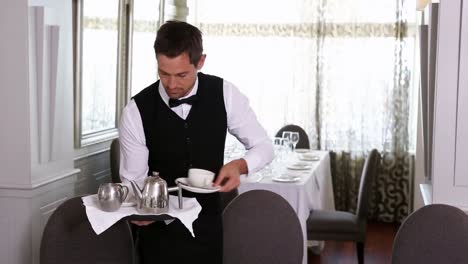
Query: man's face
point(177, 74)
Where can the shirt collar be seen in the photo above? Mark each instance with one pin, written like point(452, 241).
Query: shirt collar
point(165, 97)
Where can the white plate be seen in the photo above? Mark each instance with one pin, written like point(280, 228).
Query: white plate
point(185, 185)
point(309, 158)
point(286, 179)
point(299, 166)
point(302, 150)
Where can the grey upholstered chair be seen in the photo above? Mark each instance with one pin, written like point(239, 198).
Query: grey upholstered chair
point(345, 226)
point(115, 160)
point(260, 226)
point(436, 233)
point(68, 238)
point(303, 138)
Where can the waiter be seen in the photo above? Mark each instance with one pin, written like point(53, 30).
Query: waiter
point(180, 122)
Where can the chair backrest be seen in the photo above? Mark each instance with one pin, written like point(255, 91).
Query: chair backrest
point(436, 233)
point(115, 160)
point(69, 238)
point(303, 138)
point(261, 227)
point(369, 172)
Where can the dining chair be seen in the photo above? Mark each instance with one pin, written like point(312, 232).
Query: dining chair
point(260, 226)
point(436, 233)
point(303, 137)
point(345, 226)
point(68, 238)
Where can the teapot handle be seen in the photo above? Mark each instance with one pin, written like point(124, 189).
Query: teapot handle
point(124, 190)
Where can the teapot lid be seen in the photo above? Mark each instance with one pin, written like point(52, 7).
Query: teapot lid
point(155, 178)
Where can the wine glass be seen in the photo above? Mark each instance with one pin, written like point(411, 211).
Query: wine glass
point(287, 137)
point(285, 149)
point(277, 141)
point(294, 139)
point(277, 144)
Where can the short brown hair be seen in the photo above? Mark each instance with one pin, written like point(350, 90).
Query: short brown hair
point(176, 37)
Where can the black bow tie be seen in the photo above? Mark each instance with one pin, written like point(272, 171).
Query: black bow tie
point(176, 102)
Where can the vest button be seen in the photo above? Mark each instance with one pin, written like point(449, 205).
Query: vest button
point(188, 140)
point(185, 125)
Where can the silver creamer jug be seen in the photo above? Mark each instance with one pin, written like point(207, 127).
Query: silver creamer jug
point(111, 196)
point(154, 197)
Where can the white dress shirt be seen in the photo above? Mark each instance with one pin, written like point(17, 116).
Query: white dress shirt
point(241, 121)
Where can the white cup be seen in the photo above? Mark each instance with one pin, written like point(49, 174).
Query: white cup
point(200, 177)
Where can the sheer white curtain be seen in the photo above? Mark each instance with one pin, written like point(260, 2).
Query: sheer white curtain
point(268, 50)
point(286, 55)
point(367, 100)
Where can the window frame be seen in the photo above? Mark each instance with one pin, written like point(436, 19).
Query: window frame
point(123, 71)
point(81, 139)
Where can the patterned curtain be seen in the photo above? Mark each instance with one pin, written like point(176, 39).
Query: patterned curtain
point(391, 188)
point(340, 69)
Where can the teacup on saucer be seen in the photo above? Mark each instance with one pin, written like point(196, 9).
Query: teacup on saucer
point(200, 177)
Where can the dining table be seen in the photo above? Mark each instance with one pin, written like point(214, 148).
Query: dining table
point(303, 178)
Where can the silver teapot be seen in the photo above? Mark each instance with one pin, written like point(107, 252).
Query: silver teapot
point(154, 197)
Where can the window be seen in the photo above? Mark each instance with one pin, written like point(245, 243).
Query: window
point(145, 24)
point(113, 59)
point(323, 65)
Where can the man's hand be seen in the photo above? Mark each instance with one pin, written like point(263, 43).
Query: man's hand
point(229, 175)
point(142, 223)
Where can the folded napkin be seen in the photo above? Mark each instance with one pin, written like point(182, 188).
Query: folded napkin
point(101, 220)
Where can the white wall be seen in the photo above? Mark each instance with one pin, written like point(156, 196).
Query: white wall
point(33, 124)
point(36, 136)
point(14, 91)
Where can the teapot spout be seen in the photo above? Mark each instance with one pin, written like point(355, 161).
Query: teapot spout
point(136, 190)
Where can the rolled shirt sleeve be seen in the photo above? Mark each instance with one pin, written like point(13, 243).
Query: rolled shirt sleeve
point(133, 151)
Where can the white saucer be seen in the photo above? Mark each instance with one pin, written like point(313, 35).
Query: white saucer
point(301, 150)
point(286, 179)
point(299, 166)
point(129, 202)
point(185, 185)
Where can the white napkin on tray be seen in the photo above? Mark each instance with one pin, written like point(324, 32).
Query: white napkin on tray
point(101, 220)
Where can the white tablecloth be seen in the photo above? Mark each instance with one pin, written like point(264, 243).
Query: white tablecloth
point(313, 191)
point(100, 220)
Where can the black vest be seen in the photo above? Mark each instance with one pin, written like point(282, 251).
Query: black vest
point(174, 144)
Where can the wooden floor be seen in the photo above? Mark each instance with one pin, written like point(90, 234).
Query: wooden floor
point(378, 248)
